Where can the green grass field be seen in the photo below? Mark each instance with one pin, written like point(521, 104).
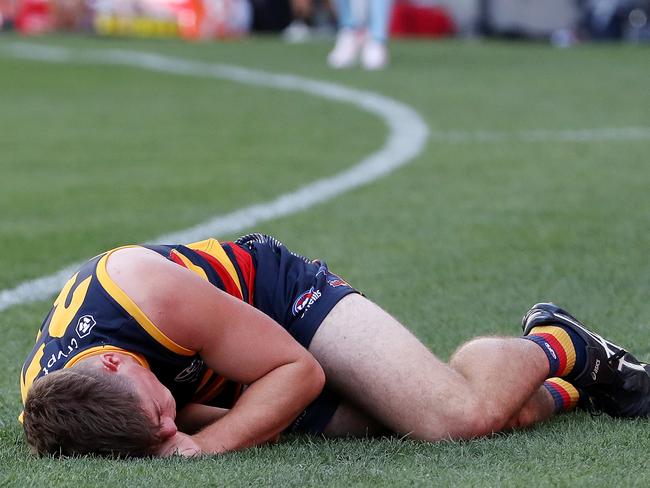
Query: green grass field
point(458, 243)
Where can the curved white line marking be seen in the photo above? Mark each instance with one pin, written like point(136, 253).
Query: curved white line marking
point(406, 139)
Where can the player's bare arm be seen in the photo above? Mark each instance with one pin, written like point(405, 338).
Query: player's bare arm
point(233, 339)
point(195, 416)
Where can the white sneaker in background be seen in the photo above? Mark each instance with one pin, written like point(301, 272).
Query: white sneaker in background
point(296, 32)
point(374, 55)
point(346, 50)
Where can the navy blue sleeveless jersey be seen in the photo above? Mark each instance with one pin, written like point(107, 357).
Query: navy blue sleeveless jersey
point(92, 315)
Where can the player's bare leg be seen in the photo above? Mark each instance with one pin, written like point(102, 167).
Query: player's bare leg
point(351, 421)
point(375, 363)
point(538, 408)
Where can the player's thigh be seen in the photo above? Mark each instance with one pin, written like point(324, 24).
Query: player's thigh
point(376, 363)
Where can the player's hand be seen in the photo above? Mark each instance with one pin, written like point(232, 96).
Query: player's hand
point(179, 445)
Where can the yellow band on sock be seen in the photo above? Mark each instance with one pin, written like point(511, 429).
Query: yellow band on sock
point(567, 356)
point(571, 391)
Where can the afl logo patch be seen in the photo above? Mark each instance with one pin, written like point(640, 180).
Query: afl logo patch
point(306, 300)
point(85, 325)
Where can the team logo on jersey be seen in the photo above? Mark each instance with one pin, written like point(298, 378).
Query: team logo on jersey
point(305, 301)
point(84, 325)
point(190, 373)
point(334, 281)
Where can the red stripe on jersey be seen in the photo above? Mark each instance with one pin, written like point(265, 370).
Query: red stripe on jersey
point(245, 263)
point(174, 257)
point(228, 282)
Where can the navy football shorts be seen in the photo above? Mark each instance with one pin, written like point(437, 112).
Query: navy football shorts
point(298, 293)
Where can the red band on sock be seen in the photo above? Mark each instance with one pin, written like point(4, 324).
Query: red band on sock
point(558, 349)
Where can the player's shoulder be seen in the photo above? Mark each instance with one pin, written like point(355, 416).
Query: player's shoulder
point(132, 255)
point(137, 269)
point(160, 294)
point(133, 268)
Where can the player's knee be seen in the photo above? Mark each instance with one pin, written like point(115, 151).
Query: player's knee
point(475, 348)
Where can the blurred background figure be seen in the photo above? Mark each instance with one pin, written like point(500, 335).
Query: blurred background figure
point(298, 30)
point(310, 18)
point(565, 22)
point(363, 33)
point(622, 19)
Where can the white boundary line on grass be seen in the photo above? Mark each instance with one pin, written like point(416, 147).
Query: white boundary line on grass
point(407, 137)
point(566, 135)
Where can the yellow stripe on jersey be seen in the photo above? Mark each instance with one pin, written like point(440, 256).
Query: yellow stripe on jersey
point(96, 350)
point(213, 248)
point(62, 316)
point(190, 265)
point(129, 305)
point(31, 372)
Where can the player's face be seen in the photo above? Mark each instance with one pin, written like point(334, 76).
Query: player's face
point(156, 400)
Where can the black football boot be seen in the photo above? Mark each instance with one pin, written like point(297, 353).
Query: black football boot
point(612, 379)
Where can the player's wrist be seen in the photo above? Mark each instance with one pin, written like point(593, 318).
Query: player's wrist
point(179, 445)
point(214, 444)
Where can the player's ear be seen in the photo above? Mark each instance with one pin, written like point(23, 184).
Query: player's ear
point(110, 362)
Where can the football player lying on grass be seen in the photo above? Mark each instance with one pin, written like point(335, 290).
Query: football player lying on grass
point(247, 340)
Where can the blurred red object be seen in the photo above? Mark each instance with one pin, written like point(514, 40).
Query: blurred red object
point(411, 19)
point(34, 16)
point(7, 13)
